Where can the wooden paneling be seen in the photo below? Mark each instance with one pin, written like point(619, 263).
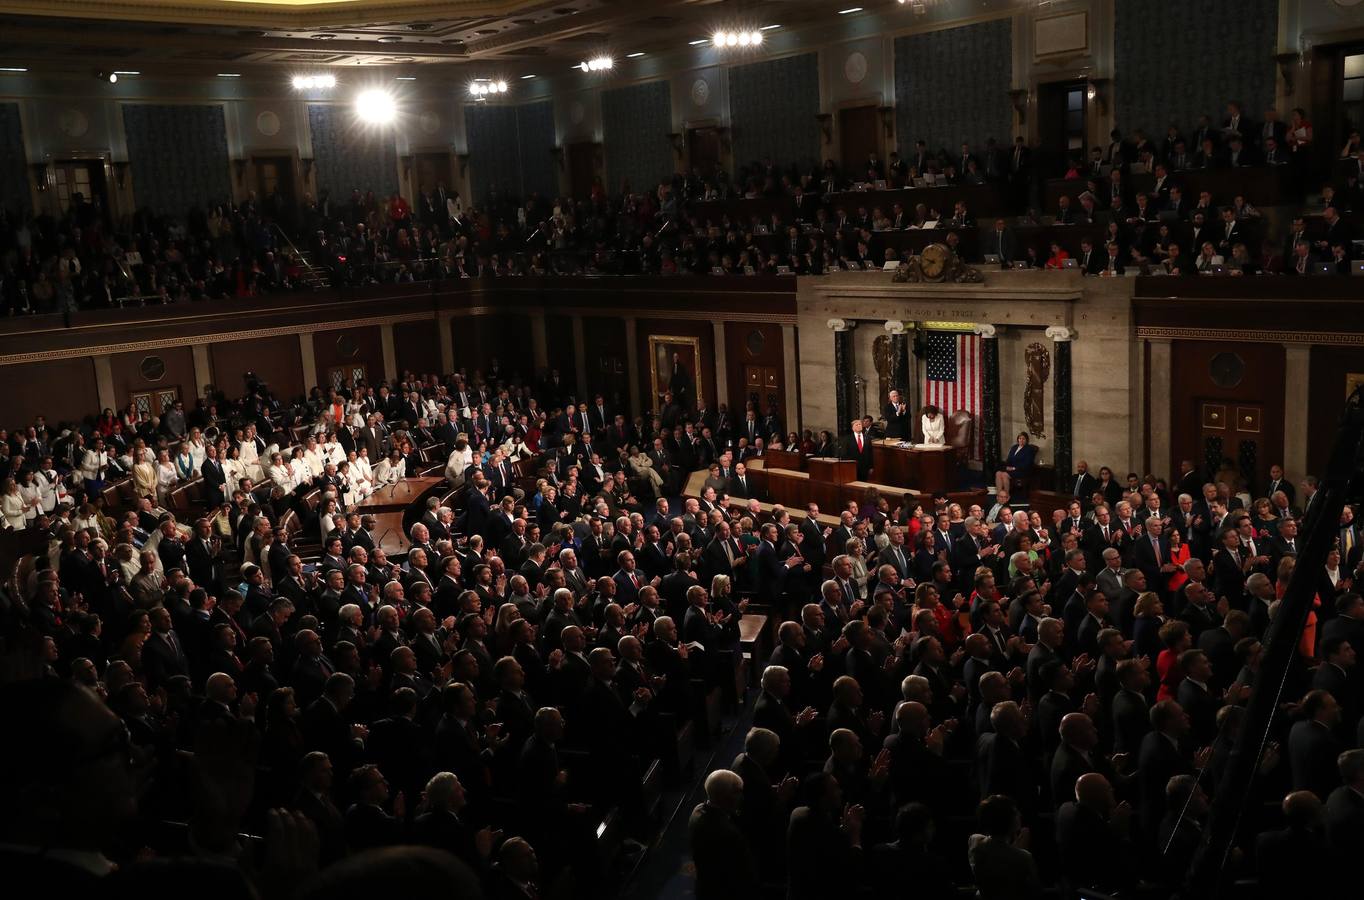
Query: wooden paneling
point(604, 347)
point(1261, 385)
point(743, 350)
point(277, 360)
point(62, 390)
point(349, 347)
point(179, 373)
point(702, 331)
point(417, 347)
point(1326, 390)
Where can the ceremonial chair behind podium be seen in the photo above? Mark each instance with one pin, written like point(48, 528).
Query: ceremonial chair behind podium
point(960, 434)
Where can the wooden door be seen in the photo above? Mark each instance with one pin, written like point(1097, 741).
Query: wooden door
point(432, 169)
point(79, 176)
point(703, 150)
point(858, 138)
point(1235, 431)
point(582, 168)
point(275, 187)
point(157, 402)
point(762, 385)
point(347, 376)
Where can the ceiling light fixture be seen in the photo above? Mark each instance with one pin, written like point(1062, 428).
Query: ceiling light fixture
point(404, 77)
point(636, 55)
point(376, 107)
point(482, 87)
point(596, 64)
point(525, 77)
point(110, 77)
point(697, 42)
point(314, 82)
point(228, 75)
point(769, 27)
point(121, 73)
point(737, 38)
point(12, 69)
point(849, 11)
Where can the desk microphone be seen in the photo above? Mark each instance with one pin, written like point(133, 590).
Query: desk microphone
point(380, 543)
point(393, 490)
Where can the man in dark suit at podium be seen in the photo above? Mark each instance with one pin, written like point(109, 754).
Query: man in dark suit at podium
point(857, 446)
point(897, 417)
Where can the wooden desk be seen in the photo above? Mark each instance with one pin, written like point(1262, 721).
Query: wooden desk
point(398, 496)
point(789, 487)
point(828, 468)
point(389, 535)
point(926, 470)
point(784, 459)
point(753, 644)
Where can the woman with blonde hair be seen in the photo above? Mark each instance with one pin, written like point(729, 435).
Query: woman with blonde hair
point(507, 617)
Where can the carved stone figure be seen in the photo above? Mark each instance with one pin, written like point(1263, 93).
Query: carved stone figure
point(1039, 370)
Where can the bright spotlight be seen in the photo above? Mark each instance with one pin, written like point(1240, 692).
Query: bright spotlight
point(597, 64)
point(757, 38)
point(375, 107)
point(501, 87)
point(310, 82)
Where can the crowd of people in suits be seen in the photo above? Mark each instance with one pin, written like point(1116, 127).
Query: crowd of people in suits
point(1032, 703)
point(494, 694)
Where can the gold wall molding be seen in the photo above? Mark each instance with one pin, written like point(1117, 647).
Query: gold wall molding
point(1152, 332)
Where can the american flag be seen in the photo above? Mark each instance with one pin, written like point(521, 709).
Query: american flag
point(952, 376)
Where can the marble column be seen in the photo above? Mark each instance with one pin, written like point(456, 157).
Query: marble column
point(447, 343)
point(203, 370)
point(1158, 424)
point(580, 359)
point(539, 342)
point(843, 373)
point(791, 375)
point(309, 359)
point(989, 395)
point(632, 365)
point(1061, 413)
point(390, 350)
point(721, 364)
point(1297, 372)
point(104, 382)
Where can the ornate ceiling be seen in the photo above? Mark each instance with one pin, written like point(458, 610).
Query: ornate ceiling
point(519, 36)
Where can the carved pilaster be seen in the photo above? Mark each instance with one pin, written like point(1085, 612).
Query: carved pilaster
point(843, 373)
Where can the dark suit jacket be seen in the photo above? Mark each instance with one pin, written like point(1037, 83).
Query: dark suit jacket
point(1093, 853)
point(861, 457)
point(1312, 752)
point(720, 851)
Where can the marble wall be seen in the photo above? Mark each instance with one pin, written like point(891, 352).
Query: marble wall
point(1021, 305)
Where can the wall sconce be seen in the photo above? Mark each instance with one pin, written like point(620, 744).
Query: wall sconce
point(42, 176)
point(558, 154)
point(887, 119)
point(1288, 62)
point(679, 146)
point(120, 173)
point(1019, 98)
point(826, 125)
point(1099, 94)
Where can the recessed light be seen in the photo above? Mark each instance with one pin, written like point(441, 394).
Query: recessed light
point(12, 69)
point(698, 42)
point(524, 77)
point(849, 11)
point(228, 75)
point(323, 36)
point(635, 55)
